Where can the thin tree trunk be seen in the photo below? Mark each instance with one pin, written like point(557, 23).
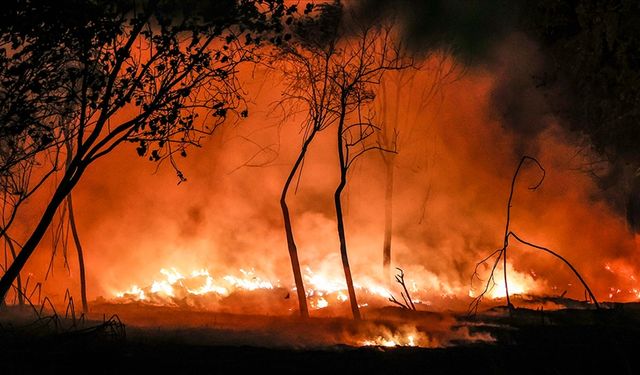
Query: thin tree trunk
point(76, 237)
point(291, 244)
point(388, 218)
point(69, 180)
point(76, 240)
point(18, 278)
point(355, 310)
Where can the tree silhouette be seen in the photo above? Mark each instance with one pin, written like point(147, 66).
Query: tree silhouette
point(332, 65)
point(158, 73)
point(502, 252)
point(368, 52)
point(306, 61)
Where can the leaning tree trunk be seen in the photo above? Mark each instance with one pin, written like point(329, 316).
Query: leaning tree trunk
point(68, 181)
point(388, 217)
point(291, 243)
point(76, 240)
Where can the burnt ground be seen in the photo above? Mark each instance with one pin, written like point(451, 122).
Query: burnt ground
point(573, 341)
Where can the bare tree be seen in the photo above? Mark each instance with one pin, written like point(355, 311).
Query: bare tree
point(502, 252)
point(306, 62)
point(368, 52)
point(332, 65)
point(404, 96)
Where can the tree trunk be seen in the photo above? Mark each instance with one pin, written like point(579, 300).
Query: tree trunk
point(67, 183)
point(342, 158)
point(355, 310)
point(76, 240)
point(18, 278)
point(388, 218)
point(291, 244)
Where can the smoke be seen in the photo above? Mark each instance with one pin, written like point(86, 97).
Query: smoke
point(452, 182)
point(571, 65)
point(468, 28)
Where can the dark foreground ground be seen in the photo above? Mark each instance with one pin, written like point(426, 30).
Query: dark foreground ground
point(570, 341)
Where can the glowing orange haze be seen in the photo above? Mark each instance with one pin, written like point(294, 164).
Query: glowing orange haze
point(451, 186)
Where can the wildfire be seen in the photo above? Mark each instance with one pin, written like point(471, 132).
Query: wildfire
point(322, 291)
point(199, 288)
point(198, 282)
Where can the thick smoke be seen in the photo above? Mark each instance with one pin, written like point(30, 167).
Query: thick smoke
point(572, 65)
point(468, 28)
point(450, 196)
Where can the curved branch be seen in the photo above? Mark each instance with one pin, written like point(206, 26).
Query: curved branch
point(508, 222)
point(593, 297)
point(502, 253)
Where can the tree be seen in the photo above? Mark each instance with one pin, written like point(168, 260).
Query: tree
point(306, 61)
point(22, 178)
point(368, 51)
point(332, 64)
point(404, 95)
point(502, 252)
point(76, 241)
point(158, 73)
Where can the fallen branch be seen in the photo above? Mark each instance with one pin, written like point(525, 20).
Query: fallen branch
point(408, 302)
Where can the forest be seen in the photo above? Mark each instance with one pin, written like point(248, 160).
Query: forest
point(364, 185)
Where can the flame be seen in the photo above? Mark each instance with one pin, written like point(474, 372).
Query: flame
point(134, 292)
point(406, 337)
point(518, 282)
point(322, 291)
point(199, 282)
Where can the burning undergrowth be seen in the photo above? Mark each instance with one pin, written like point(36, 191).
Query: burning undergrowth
point(249, 292)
